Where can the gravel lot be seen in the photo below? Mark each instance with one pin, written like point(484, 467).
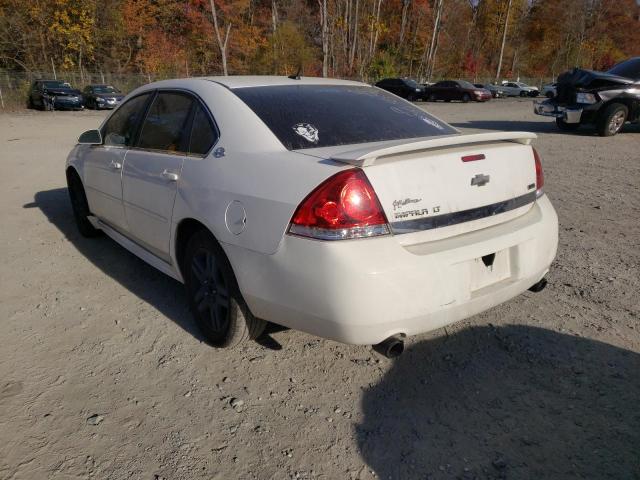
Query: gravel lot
point(103, 375)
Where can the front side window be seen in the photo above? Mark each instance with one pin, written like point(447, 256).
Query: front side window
point(203, 133)
point(120, 128)
point(166, 123)
point(309, 116)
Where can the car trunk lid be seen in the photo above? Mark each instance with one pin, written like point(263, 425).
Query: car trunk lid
point(439, 187)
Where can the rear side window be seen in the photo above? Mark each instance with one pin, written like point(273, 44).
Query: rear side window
point(166, 123)
point(308, 116)
point(120, 128)
point(203, 133)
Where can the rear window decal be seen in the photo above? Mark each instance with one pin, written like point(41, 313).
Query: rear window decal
point(307, 131)
point(432, 122)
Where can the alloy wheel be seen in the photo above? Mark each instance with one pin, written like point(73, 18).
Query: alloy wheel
point(211, 295)
point(616, 122)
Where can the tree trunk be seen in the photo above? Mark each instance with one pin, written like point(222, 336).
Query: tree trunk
point(325, 37)
point(222, 44)
point(354, 41)
point(504, 39)
point(433, 47)
point(403, 22)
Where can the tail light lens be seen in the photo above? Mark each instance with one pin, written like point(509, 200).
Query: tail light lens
point(342, 207)
point(539, 174)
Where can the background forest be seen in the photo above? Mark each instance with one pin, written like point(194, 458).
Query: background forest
point(363, 39)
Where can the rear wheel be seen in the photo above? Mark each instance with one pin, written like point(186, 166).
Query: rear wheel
point(566, 127)
point(611, 119)
point(80, 206)
point(549, 94)
point(214, 298)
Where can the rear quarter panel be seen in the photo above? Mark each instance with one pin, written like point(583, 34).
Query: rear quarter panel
point(256, 170)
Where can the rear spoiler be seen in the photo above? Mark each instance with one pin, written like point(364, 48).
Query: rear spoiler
point(366, 156)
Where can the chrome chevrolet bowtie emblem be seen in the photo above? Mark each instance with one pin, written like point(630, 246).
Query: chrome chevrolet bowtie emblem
point(480, 180)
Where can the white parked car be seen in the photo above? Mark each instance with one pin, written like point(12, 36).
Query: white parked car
point(328, 206)
point(519, 89)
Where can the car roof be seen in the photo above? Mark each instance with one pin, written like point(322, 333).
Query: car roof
point(242, 81)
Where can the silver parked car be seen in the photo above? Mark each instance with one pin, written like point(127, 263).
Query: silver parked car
point(519, 89)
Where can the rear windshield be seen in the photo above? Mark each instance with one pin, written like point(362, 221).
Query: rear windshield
point(56, 84)
point(628, 69)
point(309, 116)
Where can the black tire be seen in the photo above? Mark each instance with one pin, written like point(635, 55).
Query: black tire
point(213, 294)
point(549, 94)
point(611, 120)
point(80, 206)
point(566, 127)
point(466, 98)
point(30, 104)
point(432, 97)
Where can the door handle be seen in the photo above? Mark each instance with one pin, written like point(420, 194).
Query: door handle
point(171, 176)
point(115, 165)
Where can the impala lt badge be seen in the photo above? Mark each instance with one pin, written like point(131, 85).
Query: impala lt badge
point(480, 180)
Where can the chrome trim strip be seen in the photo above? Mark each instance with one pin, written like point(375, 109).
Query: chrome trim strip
point(448, 219)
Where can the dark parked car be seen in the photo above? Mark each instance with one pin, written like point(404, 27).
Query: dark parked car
point(54, 94)
point(495, 90)
point(462, 90)
point(102, 96)
point(604, 99)
point(403, 87)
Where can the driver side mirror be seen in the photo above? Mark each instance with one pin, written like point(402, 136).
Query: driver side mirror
point(90, 137)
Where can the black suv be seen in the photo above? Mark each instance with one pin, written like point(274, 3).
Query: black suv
point(604, 99)
point(403, 87)
point(54, 94)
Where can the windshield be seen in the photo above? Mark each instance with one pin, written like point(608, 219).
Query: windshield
point(465, 84)
point(105, 89)
point(628, 69)
point(56, 84)
point(411, 83)
point(309, 116)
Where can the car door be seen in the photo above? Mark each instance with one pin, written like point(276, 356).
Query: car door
point(102, 169)
point(152, 169)
point(513, 89)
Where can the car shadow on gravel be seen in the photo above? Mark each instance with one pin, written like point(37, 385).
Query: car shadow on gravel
point(509, 402)
point(147, 283)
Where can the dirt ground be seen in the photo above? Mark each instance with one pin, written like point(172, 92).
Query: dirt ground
point(103, 374)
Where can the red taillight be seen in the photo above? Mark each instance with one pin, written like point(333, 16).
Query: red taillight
point(539, 174)
point(343, 206)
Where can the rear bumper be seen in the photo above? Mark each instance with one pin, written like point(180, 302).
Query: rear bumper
point(570, 114)
point(363, 291)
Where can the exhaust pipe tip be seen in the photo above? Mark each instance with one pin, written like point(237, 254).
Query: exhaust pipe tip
point(392, 347)
point(538, 287)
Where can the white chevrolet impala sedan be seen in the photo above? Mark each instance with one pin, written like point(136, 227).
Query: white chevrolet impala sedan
point(327, 206)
